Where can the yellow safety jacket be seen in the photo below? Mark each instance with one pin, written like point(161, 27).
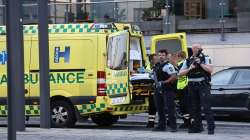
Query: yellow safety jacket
point(182, 81)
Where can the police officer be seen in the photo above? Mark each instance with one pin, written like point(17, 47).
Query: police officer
point(152, 109)
point(166, 75)
point(182, 83)
point(198, 68)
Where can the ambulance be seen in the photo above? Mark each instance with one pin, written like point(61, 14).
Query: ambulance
point(89, 73)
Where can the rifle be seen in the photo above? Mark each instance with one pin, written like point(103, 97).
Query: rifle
point(158, 87)
point(201, 56)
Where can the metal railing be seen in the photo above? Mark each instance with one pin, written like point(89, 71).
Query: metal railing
point(143, 12)
point(101, 11)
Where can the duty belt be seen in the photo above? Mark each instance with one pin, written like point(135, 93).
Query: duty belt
point(196, 79)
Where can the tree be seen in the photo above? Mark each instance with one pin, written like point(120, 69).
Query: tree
point(155, 11)
point(157, 6)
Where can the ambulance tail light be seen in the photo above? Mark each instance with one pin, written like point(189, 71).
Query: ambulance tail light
point(101, 83)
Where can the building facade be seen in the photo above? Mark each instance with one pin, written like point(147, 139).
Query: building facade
point(65, 11)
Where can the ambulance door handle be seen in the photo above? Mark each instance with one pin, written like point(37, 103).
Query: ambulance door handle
point(90, 74)
point(26, 91)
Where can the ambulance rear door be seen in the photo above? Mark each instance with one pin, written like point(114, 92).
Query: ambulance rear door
point(117, 70)
point(173, 43)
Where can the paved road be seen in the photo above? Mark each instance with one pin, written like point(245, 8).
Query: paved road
point(131, 128)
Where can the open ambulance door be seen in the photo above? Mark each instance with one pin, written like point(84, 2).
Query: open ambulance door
point(173, 43)
point(117, 70)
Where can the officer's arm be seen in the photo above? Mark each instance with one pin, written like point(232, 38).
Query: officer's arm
point(207, 65)
point(171, 71)
point(184, 69)
point(171, 79)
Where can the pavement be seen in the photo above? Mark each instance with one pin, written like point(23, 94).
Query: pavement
point(128, 129)
point(110, 134)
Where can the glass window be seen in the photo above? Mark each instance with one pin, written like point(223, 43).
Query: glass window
point(243, 77)
point(204, 15)
point(30, 11)
point(223, 77)
point(117, 52)
point(172, 45)
point(135, 54)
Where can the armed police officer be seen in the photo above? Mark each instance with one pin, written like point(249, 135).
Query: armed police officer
point(165, 75)
point(198, 68)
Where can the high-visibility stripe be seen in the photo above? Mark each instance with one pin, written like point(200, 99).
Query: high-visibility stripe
point(101, 81)
point(186, 116)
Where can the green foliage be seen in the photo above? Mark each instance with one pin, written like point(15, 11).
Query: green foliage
point(155, 11)
point(159, 4)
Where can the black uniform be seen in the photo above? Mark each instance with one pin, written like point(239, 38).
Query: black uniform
point(199, 90)
point(165, 100)
point(151, 111)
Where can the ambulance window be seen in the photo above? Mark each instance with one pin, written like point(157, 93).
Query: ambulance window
point(171, 45)
point(135, 54)
point(117, 52)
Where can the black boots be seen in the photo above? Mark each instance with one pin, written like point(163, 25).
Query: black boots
point(186, 124)
point(151, 121)
point(199, 129)
point(151, 124)
point(158, 128)
point(210, 131)
point(195, 129)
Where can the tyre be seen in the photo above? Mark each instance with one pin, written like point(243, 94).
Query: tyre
point(62, 114)
point(105, 119)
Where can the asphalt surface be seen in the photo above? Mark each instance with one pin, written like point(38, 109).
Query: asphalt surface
point(128, 129)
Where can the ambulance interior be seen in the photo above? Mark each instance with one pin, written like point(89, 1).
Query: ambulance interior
point(136, 61)
point(140, 78)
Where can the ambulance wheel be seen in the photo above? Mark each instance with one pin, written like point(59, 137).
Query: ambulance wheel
point(62, 114)
point(105, 119)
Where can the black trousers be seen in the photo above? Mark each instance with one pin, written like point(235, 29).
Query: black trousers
point(151, 108)
point(200, 97)
point(165, 105)
point(185, 105)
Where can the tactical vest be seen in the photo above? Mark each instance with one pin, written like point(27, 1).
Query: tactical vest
point(161, 75)
point(198, 72)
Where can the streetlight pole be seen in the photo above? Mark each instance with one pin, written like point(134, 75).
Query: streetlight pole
point(66, 19)
point(15, 69)
point(55, 11)
point(4, 12)
point(167, 18)
point(169, 23)
point(222, 20)
point(44, 64)
point(116, 10)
